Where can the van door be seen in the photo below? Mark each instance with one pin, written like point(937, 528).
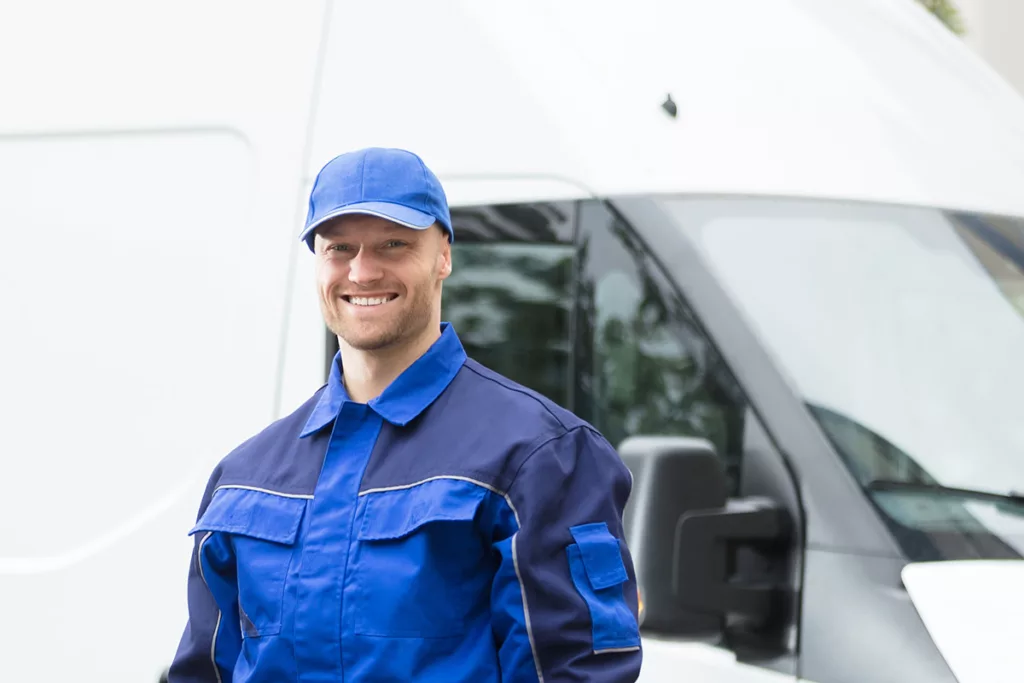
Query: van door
point(565, 298)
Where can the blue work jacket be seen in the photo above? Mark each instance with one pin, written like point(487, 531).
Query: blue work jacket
point(459, 527)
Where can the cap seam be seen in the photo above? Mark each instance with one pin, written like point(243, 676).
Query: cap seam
point(426, 183)
point(362, 173)
point(313, 188)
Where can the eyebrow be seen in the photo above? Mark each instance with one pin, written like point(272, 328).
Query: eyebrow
point(384, 235)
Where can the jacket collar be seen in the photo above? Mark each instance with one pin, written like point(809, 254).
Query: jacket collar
point(406, 397)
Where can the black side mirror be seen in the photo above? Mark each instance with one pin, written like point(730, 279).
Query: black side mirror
point(685, 533)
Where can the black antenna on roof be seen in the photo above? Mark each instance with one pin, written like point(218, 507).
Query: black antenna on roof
point(670, 106)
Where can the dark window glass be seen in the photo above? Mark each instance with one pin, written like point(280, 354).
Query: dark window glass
point(643, 366)
point(536, 223)
point(510, 293)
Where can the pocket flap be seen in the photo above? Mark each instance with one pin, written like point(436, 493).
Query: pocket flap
point(257, 514)
point(600, 553)
point(390, 515)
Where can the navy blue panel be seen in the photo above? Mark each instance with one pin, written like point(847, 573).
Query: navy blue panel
point(574, 479)
point(210, 642)
point(276, 459)
point(483, 427)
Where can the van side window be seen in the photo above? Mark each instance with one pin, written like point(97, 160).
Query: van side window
point(510, 293)
point(642, 363)
point(563, 298)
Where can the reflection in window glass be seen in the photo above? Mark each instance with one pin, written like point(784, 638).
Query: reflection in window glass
point(644, 367)
point(509, 296)
point(510, 304)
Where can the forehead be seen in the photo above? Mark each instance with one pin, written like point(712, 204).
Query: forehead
point(362, 225)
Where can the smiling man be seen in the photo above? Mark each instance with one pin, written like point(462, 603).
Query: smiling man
point(420, 517)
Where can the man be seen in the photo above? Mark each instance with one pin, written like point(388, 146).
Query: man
point(420, 517)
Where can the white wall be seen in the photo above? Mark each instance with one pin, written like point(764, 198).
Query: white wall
point(995, 30)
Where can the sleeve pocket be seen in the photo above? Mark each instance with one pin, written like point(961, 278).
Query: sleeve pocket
point(595, 563)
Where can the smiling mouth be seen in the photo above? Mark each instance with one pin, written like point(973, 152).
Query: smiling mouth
point(370, 300)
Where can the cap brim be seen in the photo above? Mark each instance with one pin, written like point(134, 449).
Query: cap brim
point(397, 213)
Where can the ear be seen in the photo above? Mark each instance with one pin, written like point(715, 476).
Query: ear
point(444, 255)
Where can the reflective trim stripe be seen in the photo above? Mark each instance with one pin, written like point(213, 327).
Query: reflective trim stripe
point(303, 496)
point(616, 649)
point(429, 479)
point(526, 608)
point(216, 629)
point(213, 647)
point(515, 555)
point(454, 477)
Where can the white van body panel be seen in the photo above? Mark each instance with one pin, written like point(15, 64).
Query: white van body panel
point(972, 609)
point(150, 160)
point(155, 158)
point(868, 99)
point(674, 661)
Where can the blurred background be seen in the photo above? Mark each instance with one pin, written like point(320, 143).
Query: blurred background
point(772, 249)
point(989, 27)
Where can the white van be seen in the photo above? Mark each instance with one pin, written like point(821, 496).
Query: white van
point(775, 248)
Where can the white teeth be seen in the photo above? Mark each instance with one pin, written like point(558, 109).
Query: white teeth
point(365, 301)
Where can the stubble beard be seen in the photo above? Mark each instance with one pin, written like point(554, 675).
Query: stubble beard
point(406, 325)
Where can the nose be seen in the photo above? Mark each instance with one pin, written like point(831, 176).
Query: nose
point(364, 268)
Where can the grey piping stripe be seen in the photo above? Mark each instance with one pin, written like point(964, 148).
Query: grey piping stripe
point(526, 609)
point(616, 649)
point(303, 496)
point(213, 647)
point(444, 476)
point(515, 553)
point(216, 629)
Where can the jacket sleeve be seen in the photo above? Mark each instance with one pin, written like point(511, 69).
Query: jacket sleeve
point(212, 637)
point(564, 601)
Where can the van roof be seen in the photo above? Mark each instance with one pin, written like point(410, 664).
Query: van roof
point(871, 100)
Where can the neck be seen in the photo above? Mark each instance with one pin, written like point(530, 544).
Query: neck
point(368, 373)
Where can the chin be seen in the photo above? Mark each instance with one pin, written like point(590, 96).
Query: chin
point(370, 343)
point(369, 340)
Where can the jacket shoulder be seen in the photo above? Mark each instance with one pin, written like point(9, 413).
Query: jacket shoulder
point(268, 458)
point(531, 424)
point(501, 399)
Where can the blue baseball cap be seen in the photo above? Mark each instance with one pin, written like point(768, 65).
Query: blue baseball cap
point(390, 183)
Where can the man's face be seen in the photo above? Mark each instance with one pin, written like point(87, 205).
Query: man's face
point(380, 282)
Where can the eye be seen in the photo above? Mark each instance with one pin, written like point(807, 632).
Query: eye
point(391, 244)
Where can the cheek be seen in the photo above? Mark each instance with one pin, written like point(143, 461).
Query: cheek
point(328, 277)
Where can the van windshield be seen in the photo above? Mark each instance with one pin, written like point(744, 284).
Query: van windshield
point(903, 330)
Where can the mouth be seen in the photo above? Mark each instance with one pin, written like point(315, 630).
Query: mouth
point(369, 301)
